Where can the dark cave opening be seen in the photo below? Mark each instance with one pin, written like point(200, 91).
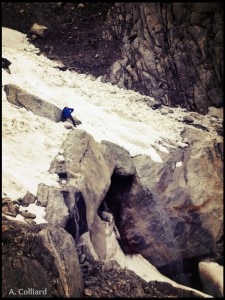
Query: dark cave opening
point(117, 194)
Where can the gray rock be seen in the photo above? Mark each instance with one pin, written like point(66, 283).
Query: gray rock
point(65, 207)
point(21, 98)
point(169, 211)
point(87, 170)
point(27, 199)
point(57, 212)
point(154, 104)
point(180, 64)
point(118, 159)
point(68, 126)
point(40, 257)
point(98, 237)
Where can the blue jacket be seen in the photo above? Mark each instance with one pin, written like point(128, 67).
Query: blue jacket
point(67, 112)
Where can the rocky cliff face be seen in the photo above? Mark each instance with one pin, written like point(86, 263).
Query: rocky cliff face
point(171, 51)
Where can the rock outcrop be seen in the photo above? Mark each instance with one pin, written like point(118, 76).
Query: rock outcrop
point(65, 207)
point(167, 212)
point(84, 167)
point(170, 51)
point(39, 258)
point(118, 159)
point(172, 211)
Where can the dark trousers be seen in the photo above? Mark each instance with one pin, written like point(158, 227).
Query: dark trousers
point(71, 118)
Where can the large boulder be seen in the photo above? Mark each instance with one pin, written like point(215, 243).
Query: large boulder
point(52, 199)
point(84, 169)
point(39, 260)
point(27, 199)
point(87, 170)
point(118, 159)
point(21, 98)
point(65, 207)
point(173, 210)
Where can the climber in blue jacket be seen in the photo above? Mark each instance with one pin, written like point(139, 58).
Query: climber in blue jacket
point(66, 114)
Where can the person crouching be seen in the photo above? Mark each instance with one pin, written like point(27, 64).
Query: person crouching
point(66, 114)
